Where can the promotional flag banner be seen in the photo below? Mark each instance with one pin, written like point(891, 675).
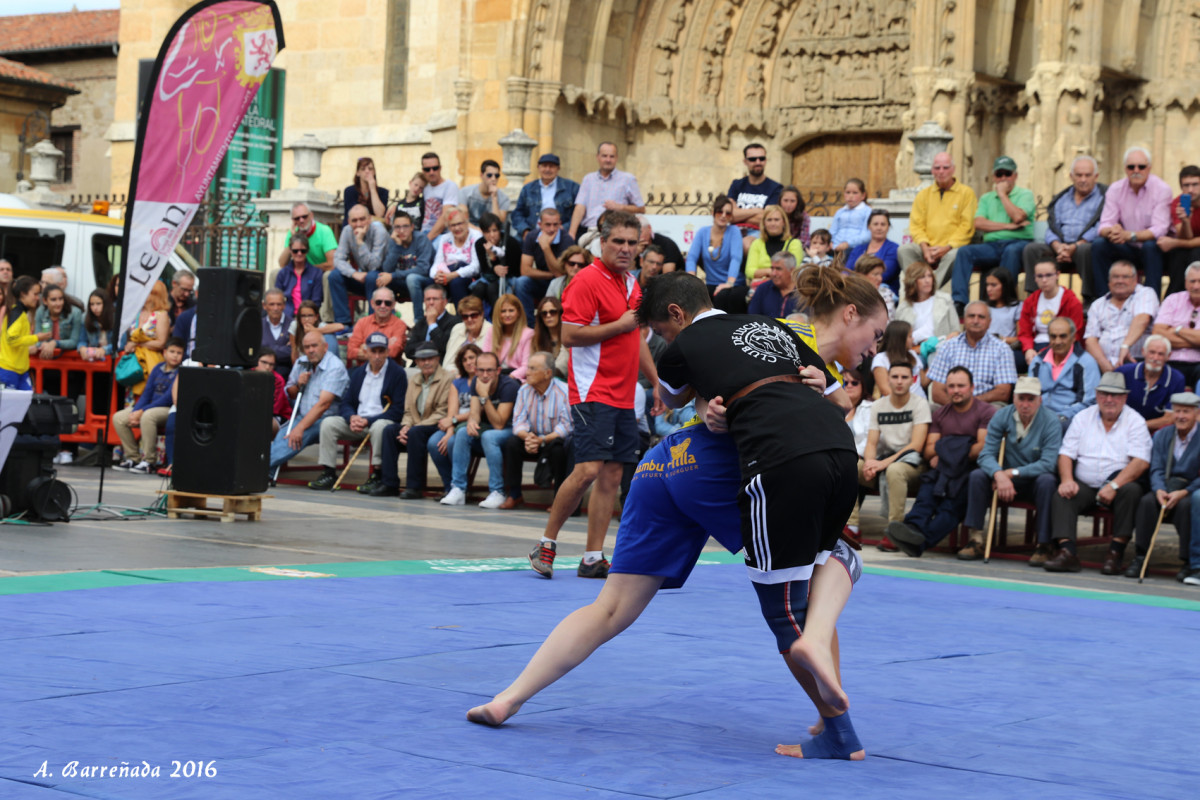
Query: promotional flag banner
point(203, 82)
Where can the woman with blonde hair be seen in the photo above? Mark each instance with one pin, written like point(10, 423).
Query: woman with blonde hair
point(776, 236)
point(929, 311)
point(147, 337)
point(510, 337)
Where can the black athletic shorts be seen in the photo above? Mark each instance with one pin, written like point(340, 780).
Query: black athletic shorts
point(794, 511)
point(605, 433)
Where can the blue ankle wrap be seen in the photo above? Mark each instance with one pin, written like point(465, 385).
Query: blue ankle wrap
point(838, 740)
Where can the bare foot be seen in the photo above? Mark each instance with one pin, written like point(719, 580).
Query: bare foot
point(813, 730)
point(819, 662)
point(495, 713)
point(793, 750)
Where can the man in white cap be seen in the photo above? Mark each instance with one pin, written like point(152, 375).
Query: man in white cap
point(1032, 437)
point(1174, 467)
point(1104, 453)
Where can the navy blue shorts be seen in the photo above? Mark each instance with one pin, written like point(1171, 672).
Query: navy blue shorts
point(684, 491)
point(604, 433)
point(785, 605)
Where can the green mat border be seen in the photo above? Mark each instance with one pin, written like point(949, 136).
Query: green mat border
point(71, 581)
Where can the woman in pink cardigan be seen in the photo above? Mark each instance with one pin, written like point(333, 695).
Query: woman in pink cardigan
point(1048, 302)
point(510, 338)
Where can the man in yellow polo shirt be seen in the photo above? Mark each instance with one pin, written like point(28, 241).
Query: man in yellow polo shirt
point(942, 220)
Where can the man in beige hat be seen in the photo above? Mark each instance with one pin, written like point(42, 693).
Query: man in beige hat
point(1104, 453)
point(1032, 437)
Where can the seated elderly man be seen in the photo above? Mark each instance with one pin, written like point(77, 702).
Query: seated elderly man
point(1032, 437)
point(1105, 452)
point(1072, 224)
point(1179, 320)
point(776, 297)
point(541, 428)
point(1117, 323)
point(489, 425)
point(896, 436)
point(275, 323)
point(321, 376)
point(358, 261)
point(989, 359)
point(942, 221)
point(1174, 467)
point(955, 440)
point(1152, 383)
point(1068, 375)
point(425, 424)
point(1137, 211)
point(370, 404)
point(382, 320)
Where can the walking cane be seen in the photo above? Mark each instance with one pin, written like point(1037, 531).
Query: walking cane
point(354, 457)
point(1162, 510)
point(295, 408)
point(987, 545)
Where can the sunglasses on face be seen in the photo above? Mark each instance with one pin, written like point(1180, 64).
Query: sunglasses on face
point(431, 169)
point(301, 217)
point(756, 159)
point(854, 383)
point(388, 303)
point(473, 315)
point(550, 312)
point(1137, 167)
point(1003, 173)
point(579, 264)
point(299, 251)
point(491, 174)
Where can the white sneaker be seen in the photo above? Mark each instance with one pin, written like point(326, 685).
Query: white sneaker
point(64, 457)
point(454, 497)
point(142, 468)
point(493, 500)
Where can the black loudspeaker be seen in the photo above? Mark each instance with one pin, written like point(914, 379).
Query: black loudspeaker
point(228, 317)
point(222, 431)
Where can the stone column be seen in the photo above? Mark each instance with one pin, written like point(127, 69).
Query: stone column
point(517, 148)
point(43, 171)
point(306, 166)
point(928, 140)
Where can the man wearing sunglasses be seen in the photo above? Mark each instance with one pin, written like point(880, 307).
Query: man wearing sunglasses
point(321, 242)
point(382, 319)
point(440, 193)
point(486, 196)
point(1005, 216)
point(753, 193)
point(1137, 211)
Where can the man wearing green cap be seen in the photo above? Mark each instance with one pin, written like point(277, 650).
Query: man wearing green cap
point(1005, 216)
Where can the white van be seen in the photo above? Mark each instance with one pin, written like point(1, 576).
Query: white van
point(87, 246)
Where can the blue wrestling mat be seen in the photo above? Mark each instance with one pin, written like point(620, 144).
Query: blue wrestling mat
point(357, 688)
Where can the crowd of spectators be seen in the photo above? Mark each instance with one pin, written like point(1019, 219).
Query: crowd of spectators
point(503, 291)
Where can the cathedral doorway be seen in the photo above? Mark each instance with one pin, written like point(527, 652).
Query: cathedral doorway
point(825, 164)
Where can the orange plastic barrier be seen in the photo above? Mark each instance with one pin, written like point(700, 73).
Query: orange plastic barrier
point(97, 375)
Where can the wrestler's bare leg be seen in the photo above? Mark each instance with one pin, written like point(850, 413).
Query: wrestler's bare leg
point(622, 599)
point(828, 593)
point(805, 679)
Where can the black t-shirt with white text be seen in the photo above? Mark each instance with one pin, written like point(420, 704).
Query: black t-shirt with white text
point(746, 195)
point(720, 354)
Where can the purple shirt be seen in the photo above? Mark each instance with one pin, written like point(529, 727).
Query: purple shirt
point(619, 186)
point(1177, 311)
point(1149, 210)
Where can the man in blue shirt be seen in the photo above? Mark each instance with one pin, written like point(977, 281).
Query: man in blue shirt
point(322, 378)
point(776, 297)
point(548, 191)
point(1073, 388)
point(1152, 383)
point(406, 255)
point(539, 260)
point(1072, 223)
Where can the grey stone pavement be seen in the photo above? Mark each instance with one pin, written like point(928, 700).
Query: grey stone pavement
point(302, 526)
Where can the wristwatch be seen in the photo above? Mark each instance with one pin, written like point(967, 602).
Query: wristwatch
point(1115, 485)
point(1016, 473)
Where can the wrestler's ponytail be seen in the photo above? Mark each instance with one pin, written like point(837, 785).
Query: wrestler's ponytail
point(821, 291)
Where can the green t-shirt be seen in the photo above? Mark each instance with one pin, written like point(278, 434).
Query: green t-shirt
point(320, 244)
point(992, 209)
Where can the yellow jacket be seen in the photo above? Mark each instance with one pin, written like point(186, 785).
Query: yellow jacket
point(15, 343)
point(943, 218)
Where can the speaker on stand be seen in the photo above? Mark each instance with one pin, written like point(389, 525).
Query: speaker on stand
point(223, 431)
point(228, 317)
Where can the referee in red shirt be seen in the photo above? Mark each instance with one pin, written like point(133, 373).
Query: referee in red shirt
point(600, 326)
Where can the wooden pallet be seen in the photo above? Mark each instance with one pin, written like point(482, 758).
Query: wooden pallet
point(179, 503)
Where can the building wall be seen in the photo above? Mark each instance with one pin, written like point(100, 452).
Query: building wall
point(16, 103)
point(682, 85)
point(92, 111)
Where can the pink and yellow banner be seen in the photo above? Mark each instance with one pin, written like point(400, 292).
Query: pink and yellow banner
point(204, 80)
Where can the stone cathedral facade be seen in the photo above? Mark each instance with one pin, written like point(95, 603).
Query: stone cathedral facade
point(831, 87)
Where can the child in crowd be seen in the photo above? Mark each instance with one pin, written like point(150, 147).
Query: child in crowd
point(413, 202)
point(819, 245)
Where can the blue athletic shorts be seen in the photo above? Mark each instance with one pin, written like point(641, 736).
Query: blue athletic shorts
point(602, 432)
point(15, 380)
point(684, 490)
